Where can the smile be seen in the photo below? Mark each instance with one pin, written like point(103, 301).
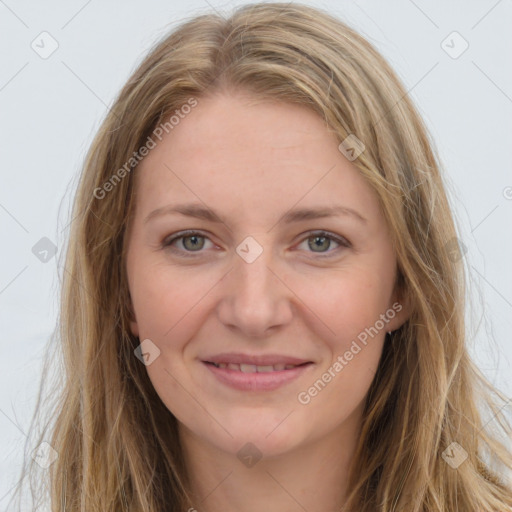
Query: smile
point(255, 377)
point(252, 368)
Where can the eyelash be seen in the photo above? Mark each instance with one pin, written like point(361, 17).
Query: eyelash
point(191, 254)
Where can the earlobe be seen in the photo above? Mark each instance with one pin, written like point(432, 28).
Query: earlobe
point(399, 310)
point(134, 328)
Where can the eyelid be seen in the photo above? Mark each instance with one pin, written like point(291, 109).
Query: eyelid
point(342, 241)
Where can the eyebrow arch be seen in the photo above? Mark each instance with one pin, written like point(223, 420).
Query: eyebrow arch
point(200, 212)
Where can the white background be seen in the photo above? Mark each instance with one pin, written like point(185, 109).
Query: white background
point(50, 109)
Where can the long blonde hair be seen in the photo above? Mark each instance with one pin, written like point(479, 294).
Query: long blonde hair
point(116, 442)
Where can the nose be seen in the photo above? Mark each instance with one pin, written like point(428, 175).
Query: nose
point(255, 300)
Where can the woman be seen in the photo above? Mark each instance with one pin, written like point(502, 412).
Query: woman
point(216, 356)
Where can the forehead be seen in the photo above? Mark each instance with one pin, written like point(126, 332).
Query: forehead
point(236, 150)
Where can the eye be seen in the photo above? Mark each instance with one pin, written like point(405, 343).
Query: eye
point(187, 241)
point(321, 241)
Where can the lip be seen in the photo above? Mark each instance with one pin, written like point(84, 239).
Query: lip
point(254, 381)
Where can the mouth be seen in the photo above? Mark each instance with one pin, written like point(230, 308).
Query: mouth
point(258, 373)
point(253, 368)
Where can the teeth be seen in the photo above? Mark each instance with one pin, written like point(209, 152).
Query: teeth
point(252, 368)
point(248, 368)
point(263, 369)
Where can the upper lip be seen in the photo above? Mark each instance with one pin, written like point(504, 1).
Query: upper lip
point(261, 360)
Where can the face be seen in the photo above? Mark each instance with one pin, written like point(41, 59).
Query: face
point(261, 269)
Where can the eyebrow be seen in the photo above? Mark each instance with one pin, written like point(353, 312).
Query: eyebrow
point(199, 211)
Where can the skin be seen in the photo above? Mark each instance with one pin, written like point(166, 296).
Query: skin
point(251, 161)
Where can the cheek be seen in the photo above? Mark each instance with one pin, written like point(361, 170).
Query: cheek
point(340, 389)
point(168, 306)
point(348, 303)
point(351, 306)
point(165, 298)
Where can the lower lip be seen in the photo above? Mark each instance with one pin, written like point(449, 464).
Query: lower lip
point(265, 381)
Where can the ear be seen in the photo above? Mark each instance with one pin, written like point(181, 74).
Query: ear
point(134, 326)
point(400, 304)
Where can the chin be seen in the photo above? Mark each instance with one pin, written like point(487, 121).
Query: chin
point(253, 433)
point(271, 438)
